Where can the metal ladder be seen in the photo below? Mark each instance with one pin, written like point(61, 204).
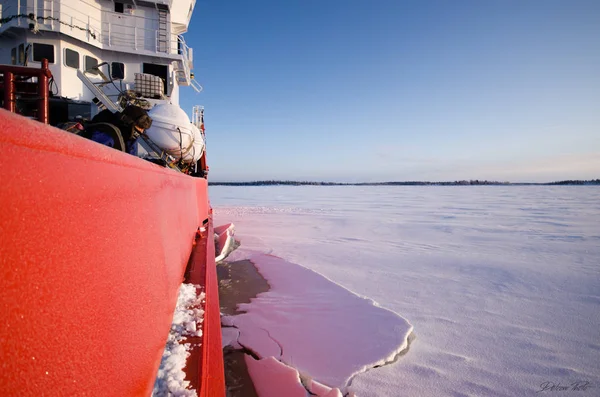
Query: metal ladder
point(163, 31)
point(103, 100)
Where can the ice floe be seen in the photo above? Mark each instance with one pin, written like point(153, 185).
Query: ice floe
point(314, 325)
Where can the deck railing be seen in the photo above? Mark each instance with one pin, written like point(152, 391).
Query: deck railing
point(136, 33)
point(15, 82)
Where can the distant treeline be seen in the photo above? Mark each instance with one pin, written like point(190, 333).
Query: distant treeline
point(409, 183)
point(570, 182)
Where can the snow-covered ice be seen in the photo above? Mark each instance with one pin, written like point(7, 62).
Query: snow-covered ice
point(187, 320)
point(501, 283)
point(304, 316)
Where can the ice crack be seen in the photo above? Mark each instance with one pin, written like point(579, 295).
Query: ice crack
point(276, 341)
point(411, 337)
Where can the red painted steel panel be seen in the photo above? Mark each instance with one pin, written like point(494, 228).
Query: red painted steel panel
point(210, 374)
point(93, 247)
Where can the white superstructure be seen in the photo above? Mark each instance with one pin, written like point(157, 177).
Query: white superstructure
point(128, 39)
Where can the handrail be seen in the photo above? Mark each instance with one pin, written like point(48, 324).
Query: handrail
point(183, 48)
point(43, 75)
point(196, 86)
point(184, 51)
point(101, 30)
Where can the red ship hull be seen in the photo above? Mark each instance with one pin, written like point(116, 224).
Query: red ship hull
point(94, 246)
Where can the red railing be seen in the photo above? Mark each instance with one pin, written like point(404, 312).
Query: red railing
point(205, 365)
point(12, 80)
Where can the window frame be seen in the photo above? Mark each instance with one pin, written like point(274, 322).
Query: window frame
point(112, 71)
point(21, 54)
point(67, 57)
point(85, 64)
point(39, 46)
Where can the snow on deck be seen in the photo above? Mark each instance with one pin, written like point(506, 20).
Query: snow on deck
point(187, 321)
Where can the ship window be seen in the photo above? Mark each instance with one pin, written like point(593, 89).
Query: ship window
point(21, 58)
point(41, 51)
point(119, 7)
point(90, 63)
point(117, 71)
point(13, 56)
point(71, 58)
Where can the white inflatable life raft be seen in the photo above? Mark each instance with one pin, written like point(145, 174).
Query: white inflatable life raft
point(173, 132)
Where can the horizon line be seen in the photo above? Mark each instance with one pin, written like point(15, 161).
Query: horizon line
point(456, 182)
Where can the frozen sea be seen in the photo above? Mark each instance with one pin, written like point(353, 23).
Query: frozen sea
point(500, 284)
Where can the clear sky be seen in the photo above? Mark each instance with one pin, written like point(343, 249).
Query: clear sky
point(380, 90)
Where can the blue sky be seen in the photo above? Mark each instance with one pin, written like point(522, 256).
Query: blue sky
point(345, 90)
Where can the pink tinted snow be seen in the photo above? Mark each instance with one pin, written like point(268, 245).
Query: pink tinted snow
point(500, 282)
